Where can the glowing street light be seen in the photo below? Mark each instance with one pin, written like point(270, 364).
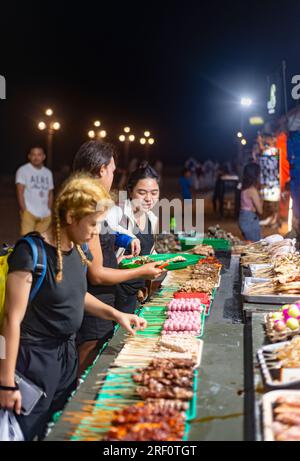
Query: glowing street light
point(246, 102)
point(99, 134)
point(239, 134)
point(56, 126)
point(50, 127)
point(42, 126)
point(127, 139)
point(147, 141)
point(243, 142)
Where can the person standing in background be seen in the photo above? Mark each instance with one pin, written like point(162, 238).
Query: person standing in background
point(34, 184)
point(185, 182)
point(251, 203)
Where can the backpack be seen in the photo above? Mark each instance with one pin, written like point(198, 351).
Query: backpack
point(39, 264)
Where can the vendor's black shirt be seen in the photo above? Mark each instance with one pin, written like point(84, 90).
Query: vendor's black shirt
point(57, 309)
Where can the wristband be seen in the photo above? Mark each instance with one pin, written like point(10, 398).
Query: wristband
point(9, 388)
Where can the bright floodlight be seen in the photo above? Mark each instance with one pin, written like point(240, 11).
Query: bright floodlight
point(122, 138)
point(42, 126)
point(97, 123)
point(131, 138)
point(147, 134)
point(49, 112)
point(239, 134)
point(91, 134)
point(244, 142)
point(127, 129)
point(151, 141)
point(246, 102)
point(143, 141)
point(102, 134)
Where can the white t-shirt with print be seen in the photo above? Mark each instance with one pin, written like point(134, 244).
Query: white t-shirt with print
point(38, 182)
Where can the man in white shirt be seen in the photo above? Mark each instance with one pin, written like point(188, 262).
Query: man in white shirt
point(35, 193)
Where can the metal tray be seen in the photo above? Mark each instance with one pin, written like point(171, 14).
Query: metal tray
point(255, 267)
point(266, 299)
point(267, 406)
point(269, 375)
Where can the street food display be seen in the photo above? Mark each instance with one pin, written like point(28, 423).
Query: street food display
point(149, 391)
point(275, 268)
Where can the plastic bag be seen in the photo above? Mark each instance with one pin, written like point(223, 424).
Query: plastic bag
point(10, 430)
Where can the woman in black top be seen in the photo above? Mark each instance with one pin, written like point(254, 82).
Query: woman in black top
point(40, 335)
point(143, 191)
point(98, 159)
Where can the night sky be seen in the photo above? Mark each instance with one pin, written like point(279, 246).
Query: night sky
point(177, 68)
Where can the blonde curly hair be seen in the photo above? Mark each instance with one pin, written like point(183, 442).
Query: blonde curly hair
point(82, 195)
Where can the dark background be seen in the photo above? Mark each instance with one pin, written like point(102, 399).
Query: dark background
point(176, 68)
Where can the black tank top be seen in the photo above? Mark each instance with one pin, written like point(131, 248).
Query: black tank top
point(107, 242)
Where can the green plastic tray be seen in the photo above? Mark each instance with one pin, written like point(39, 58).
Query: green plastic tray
point(211, 302)
point(190, 259)
point(218, 244)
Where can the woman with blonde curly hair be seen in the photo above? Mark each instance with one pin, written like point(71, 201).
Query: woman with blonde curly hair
point(40, 335)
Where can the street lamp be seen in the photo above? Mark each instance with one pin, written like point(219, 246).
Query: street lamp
point(246, 102)
point(146, 141)
point(127, 139)
point(101, 134)
point(243, 142)
point(50, 126)
point(239, 134)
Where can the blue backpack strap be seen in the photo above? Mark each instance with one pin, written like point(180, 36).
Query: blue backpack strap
point(39, 263)
point(85, 249)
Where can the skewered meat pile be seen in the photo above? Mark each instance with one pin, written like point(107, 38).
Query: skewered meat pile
point(183, 317)
point(288, 285)
point(183, 323)
point(176, 382)
point(263, 252)
point(219, 233)
point(207, 271)
point(165, 364)
point(178, 377)
point(289, 355)
point(147, 422)
point(167, 243)
point(286, 426)
point(185, 305)
point(204, 250)
point(209, 260)
point(202, 286)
